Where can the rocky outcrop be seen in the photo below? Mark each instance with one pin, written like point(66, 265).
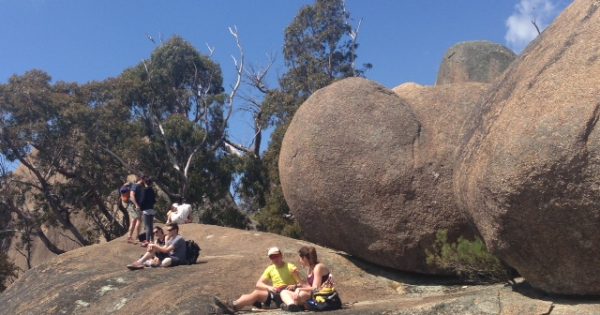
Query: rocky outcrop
point(530, 171)
point(370, 173)
point(478, 61)
point(38, 253)
point(94, 280)
point(443, 112)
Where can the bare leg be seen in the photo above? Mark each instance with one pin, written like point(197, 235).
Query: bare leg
point(147, 255)
point(136, 228)
point(302, 297)
point(131, 228)
point(251, 298)
point(288, 297)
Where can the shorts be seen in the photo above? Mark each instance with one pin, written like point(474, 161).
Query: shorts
point(174, 261)
point(134, 214)
point(161, 256)
point(273, 297)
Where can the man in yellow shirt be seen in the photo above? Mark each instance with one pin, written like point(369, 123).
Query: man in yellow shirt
point(278, 276)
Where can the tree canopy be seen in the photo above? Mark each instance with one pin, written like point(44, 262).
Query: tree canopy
point(166, 117)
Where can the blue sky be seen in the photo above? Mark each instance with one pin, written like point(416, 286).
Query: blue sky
point(84, 40)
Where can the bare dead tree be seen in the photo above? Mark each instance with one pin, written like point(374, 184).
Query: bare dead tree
point(255, 78)
point(533, 21)
point(354, 36)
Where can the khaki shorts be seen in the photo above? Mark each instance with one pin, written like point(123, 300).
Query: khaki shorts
point(133, 212)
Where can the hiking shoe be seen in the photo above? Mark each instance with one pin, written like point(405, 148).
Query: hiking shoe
point(291, 307)
point(226, 307)
point(257, 305)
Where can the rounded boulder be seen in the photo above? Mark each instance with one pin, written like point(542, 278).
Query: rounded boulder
point(478, 61)
point(352, 175)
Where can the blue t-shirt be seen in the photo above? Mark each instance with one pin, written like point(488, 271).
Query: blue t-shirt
point(179, 250)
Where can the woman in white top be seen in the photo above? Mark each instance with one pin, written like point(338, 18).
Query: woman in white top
point(179, 213)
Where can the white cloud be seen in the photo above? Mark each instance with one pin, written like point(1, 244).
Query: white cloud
point(520, 27)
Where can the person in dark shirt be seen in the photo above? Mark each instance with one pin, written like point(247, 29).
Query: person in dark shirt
point(144, 198)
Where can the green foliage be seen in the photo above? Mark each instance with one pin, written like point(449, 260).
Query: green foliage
point(177, 99)
point(468, 259)
point(163, 117)
point(225, 213)
point(8, 271)
point(253, 184)
point(272, 217)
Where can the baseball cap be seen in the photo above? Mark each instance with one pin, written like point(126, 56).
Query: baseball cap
point(273, 251)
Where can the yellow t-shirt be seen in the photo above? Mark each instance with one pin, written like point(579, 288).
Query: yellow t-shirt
point(280, 276)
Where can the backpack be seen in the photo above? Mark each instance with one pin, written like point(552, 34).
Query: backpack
point(326, 299)
point(192, 251)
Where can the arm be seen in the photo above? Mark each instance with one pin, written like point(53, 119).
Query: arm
point(165, 249)
point(162, 249)
point(132, 197)
point(296, 276)
point(262, 284)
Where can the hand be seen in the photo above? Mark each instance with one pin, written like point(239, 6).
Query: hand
point(291, 287)
point(277, 290)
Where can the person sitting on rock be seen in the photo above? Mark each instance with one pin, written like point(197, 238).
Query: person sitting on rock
point(157, 257)
point(318, 275)
point(173, 251)
point(180, 213)
point(278, 276)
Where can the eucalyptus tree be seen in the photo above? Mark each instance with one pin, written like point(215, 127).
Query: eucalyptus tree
point(178, 102)
point(61, 178)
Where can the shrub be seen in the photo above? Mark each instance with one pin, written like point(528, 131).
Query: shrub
point(468, 259)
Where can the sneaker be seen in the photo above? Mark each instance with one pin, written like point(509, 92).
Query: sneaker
point(226, 307)
point(291, 307)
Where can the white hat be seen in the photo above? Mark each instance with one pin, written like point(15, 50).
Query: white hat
point(273, 251)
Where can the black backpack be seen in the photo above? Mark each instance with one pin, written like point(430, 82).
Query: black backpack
point(324, 302)
point(192, 251)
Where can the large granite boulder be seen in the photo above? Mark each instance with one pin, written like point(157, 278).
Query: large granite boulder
point(363, 175)
point(478, 61)
point(530, 173)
